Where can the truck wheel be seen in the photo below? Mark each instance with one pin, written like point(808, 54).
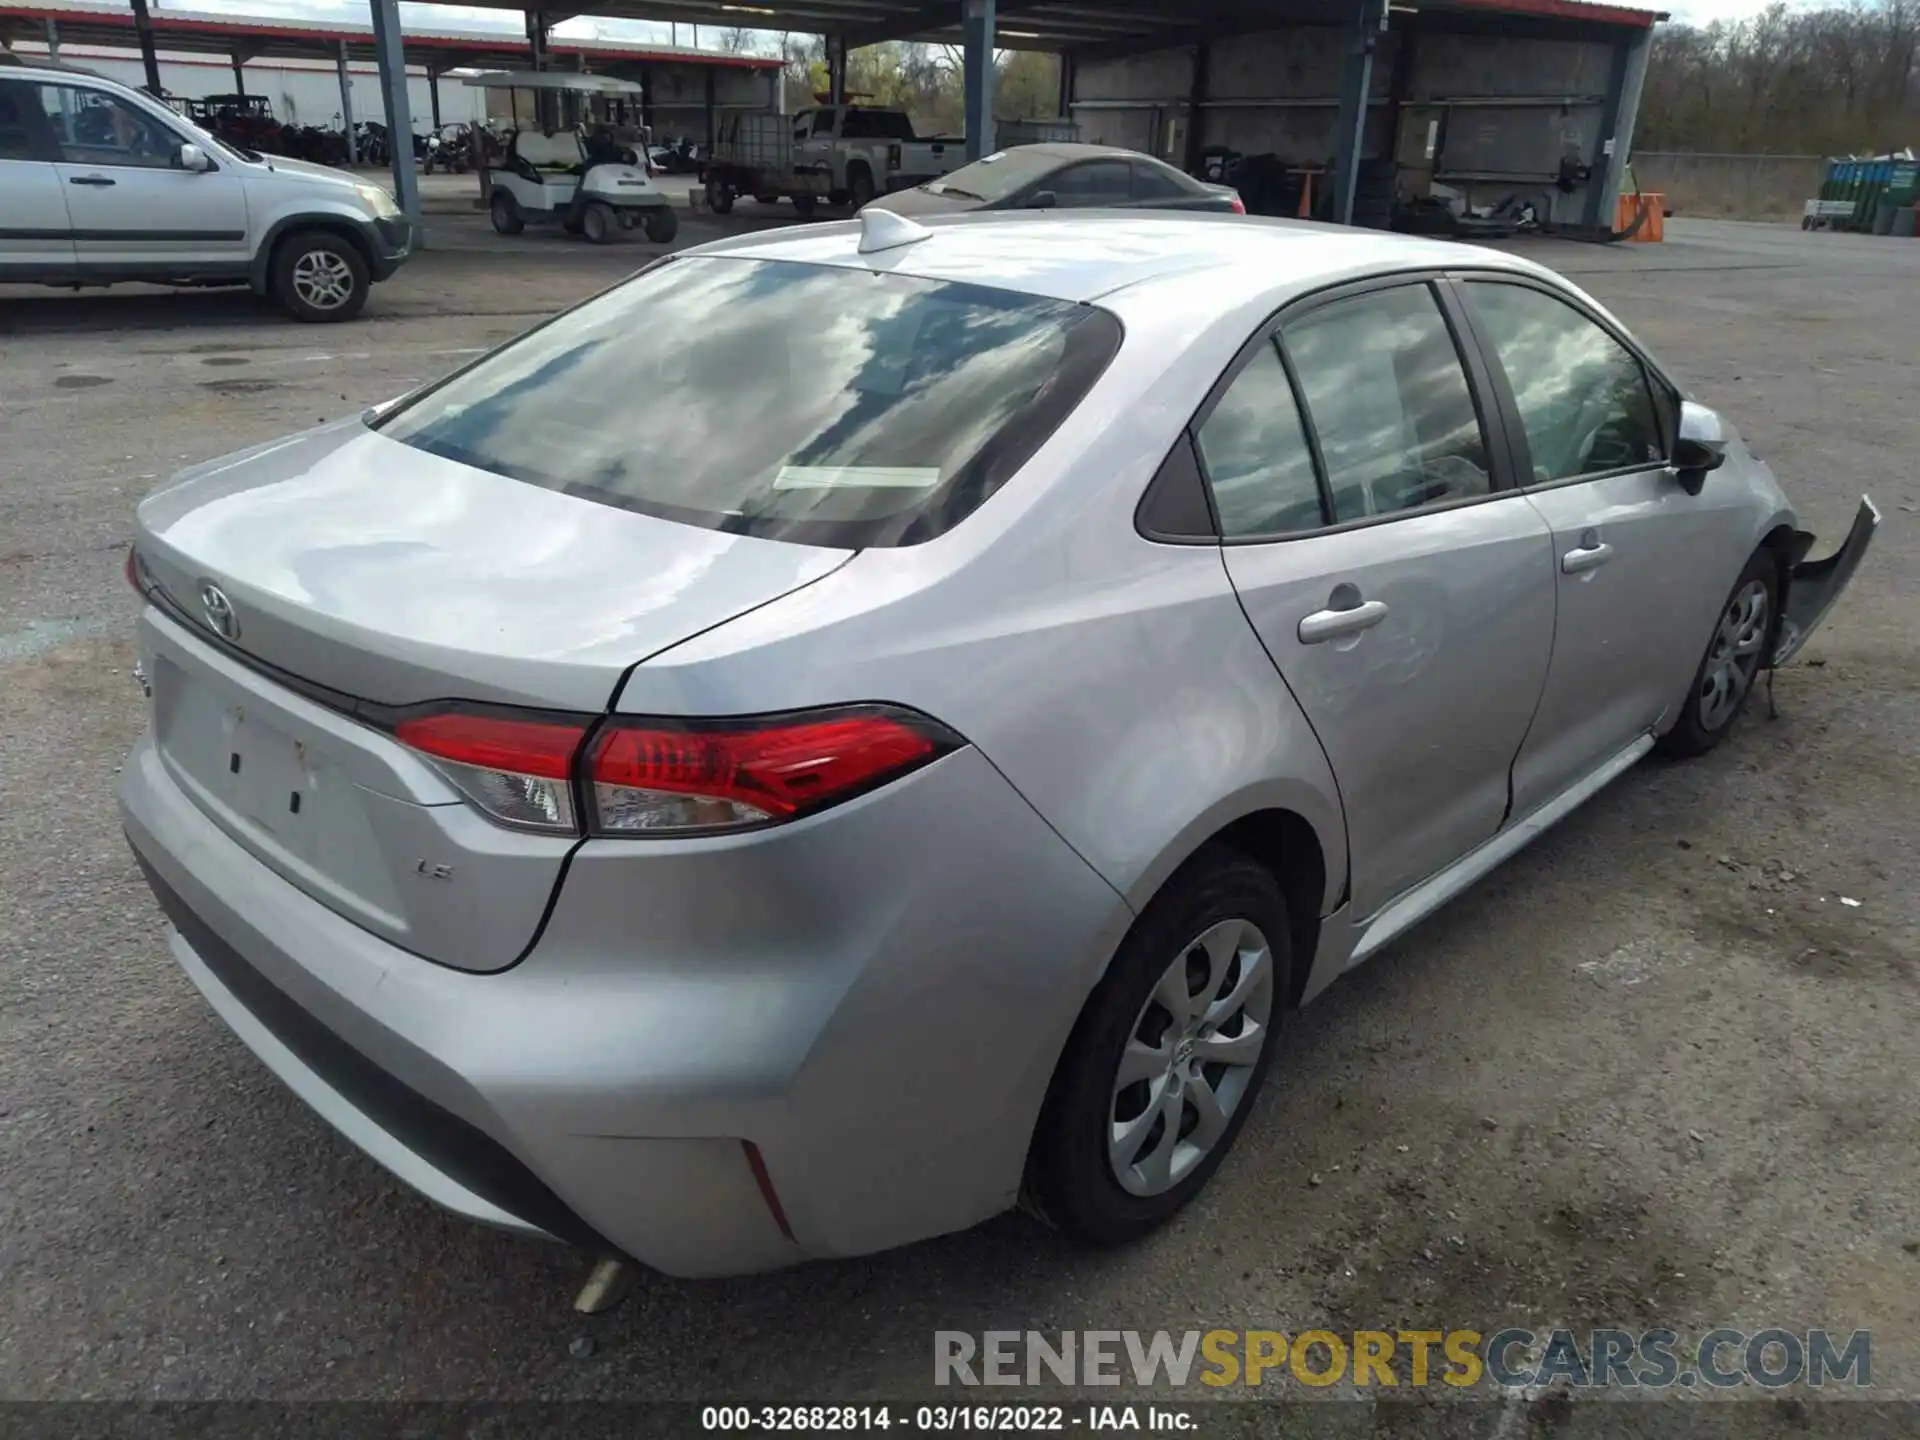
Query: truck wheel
point(859, 185)
point(598, 224)
point(506, 213)
point(318, 276)
point(662, 225)
point(803, 206)
point(719, 197)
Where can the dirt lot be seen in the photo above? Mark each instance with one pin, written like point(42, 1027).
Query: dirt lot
point(1657, 1070)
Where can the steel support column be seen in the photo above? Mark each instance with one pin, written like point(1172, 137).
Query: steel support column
point(713, 132)
point(1624, 84)
point(53, 40)
point(143, 27)
point(1350, 127)
point(239, 73)
point(393, 90)
point(346, 106)
point(976, 31)
point(433, 96)
point(1196, 98)
point(1066, 85)
point(836, 70)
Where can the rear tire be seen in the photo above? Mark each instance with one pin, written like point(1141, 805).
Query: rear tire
point(719, 197)
point(598, 223)
point(319, 277)
point(859, 186)
point(1736, 654)
point(507, 218)
point(1145, 1090)
point(662, 225)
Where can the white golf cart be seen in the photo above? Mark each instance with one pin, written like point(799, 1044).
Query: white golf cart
point(577, 161)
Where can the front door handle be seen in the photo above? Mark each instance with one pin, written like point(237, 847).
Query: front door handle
point(1325, 625)
point(89, 180)
point(1585, 557)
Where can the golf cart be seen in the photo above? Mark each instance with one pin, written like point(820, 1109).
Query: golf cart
point(569, 163)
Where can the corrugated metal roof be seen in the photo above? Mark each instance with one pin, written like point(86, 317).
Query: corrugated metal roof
point(91, 22)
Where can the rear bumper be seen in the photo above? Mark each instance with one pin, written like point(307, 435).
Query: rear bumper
point(886, 1055)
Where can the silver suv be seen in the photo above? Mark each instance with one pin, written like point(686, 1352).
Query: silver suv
point(100, 183)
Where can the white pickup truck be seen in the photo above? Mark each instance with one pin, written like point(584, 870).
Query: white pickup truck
point(836, 154)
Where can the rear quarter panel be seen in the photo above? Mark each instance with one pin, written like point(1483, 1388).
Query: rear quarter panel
point(1114, 681)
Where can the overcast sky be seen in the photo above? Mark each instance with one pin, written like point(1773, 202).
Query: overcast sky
point(469, 17)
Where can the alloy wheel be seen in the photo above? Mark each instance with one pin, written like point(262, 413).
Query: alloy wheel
point(1190, 1057)
point(1734, 658)
point(323, 279)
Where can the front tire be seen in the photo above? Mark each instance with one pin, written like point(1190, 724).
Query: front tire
point(1736, 654)
point(662, 225)
point(598, 224)
point(1169, 1054)
point(506, 213)
point(719, 197)
point(319, 277)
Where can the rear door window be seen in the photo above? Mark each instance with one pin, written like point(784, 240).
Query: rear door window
point(798, 402)
point(1388, 397)
point(1255, 454)
point(1152, 183)
point(20, 124)
point(1094, 182)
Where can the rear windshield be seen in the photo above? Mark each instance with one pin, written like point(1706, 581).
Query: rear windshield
point(795, 402)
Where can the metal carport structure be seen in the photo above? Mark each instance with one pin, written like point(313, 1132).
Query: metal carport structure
point(1598, 73)
point(245, 38)
point(1603, 46)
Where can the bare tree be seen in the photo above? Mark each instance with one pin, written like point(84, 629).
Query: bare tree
point(1811, 81)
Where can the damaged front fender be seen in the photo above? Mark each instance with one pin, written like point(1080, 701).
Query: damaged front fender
point(1813, 585)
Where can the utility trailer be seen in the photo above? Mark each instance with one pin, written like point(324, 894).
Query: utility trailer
point(831, 155)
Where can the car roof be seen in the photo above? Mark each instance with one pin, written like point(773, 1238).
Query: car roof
point(1079, 256)
point(1078, 150)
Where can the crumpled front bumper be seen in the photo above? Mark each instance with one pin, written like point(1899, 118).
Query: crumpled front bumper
point(1813, 585)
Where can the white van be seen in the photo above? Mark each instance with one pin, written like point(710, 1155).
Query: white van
point(101, 183)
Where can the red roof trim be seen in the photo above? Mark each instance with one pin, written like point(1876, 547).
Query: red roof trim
point(1566, 10)
point(503, 44)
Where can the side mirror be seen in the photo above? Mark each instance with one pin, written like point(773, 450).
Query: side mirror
point(1701, 446)
point(1042, 200)
point(192, 158)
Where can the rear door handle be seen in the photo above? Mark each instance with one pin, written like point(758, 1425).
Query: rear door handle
point(1585, 557)
point(1325, 625)
point(89, 180)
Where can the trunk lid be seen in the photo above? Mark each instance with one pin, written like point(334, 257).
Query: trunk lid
point(387, 575)
point(390, 574)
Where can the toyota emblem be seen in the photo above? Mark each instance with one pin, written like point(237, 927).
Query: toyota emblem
point(219, 611)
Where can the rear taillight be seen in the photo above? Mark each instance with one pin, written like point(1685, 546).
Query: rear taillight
point(1236, 204)
point(515, 769)
point(651, 777)
point(666, 777)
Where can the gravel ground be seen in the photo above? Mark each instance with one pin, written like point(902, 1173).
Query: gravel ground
point(1654, 1071)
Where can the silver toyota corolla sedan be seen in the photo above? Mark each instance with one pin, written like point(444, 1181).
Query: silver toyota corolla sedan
point(858, 726)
